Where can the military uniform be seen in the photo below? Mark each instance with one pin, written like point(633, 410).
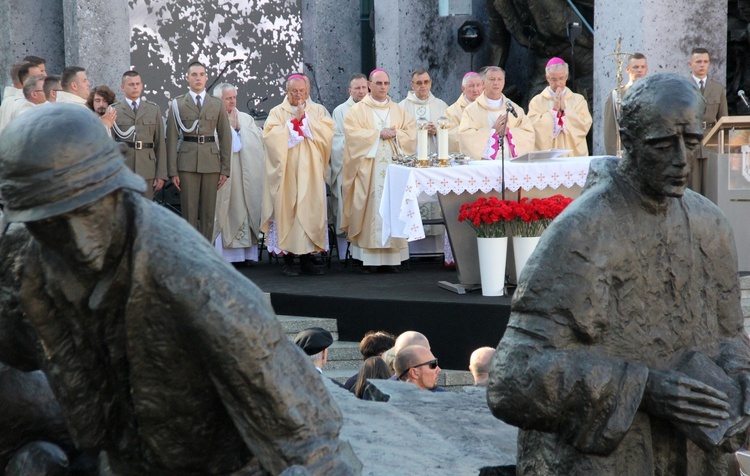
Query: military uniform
point(198, 160)
point(143, 132)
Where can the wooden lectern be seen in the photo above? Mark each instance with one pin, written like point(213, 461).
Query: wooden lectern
point(727, 178)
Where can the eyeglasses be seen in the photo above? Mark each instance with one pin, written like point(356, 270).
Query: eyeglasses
point(426, 82)
point(381, 83)
point(431, 363)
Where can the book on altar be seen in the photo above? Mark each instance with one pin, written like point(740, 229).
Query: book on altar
point(539, 155)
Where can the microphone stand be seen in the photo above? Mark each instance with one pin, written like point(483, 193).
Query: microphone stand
point(221, 73)
point(502, 154)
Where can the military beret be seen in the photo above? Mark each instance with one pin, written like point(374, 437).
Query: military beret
point(313, 340)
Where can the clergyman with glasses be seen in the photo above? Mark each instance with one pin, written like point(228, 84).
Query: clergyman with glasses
point(376, 129)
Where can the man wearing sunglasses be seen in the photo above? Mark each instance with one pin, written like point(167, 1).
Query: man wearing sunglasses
point(417, 365)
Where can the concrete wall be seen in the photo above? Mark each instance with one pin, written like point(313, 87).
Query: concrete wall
point(331, 48)
point(665, 32)
point(410, 35)
point(31, 27)
point(93, 34)
point(97, 37)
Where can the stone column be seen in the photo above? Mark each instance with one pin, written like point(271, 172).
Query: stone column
point(31, 27)
point(97, 37)
point(409, 35)
point(331, 46)
point(665, 32)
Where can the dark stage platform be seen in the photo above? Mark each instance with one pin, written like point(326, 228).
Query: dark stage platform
point(395, 302)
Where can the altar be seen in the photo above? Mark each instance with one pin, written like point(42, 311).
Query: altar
point(455, 185)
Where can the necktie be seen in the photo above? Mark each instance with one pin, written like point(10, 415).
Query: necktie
point(703, 86)
point(198, 102)
point(135, 106)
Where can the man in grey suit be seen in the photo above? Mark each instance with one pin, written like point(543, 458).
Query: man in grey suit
point(716, 106)
point(139, 125)
point(198, 166)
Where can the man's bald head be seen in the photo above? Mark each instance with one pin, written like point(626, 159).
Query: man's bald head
point(479, 364)
point(411, 338)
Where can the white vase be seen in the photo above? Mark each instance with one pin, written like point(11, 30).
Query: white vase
point(523, 246)
point(492, 255)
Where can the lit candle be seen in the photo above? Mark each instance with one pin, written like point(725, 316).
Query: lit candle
point(422, 147)
point(442, 137)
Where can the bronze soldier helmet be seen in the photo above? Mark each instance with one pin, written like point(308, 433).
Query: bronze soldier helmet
point(56, 158)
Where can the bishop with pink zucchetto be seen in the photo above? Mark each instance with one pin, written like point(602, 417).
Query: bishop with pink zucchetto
point(560, 117)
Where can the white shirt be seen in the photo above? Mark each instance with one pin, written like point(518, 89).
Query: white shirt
point(195, 95)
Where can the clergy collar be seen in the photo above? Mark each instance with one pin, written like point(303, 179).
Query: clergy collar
point(379, 103)
point(495, 103)
point(413, 98)
point(552, 93)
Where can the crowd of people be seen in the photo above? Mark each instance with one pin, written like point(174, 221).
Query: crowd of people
point(406, 358)
point(307, 171)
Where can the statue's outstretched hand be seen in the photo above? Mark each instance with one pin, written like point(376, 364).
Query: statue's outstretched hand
point(673, 396)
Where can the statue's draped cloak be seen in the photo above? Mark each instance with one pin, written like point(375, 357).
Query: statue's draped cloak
point(615, 289)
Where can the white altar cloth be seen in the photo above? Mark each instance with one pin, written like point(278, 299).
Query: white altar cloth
point(403, 185)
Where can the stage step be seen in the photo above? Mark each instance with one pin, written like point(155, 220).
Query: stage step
point(294, 324)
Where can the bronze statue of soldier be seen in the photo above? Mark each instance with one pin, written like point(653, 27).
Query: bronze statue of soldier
point(161, 356)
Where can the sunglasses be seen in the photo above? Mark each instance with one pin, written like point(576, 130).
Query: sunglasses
point(432, 364)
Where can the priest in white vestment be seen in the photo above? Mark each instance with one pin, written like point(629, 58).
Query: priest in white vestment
point(239, 200)
point(13, 97)
point(424, 106)
point(471, 87)
point(297, 135)
point(357, 92)
point(560, 117)
point(484, 121)
point(375, 130)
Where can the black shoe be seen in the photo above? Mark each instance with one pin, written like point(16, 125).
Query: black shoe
point(309, 268)
point(289, 271)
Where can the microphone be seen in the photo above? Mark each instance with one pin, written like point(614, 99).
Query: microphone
point(511, 110)
point(234, 61)
point(742, 96)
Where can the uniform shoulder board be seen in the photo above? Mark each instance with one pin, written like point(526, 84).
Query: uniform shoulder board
point(116, 103)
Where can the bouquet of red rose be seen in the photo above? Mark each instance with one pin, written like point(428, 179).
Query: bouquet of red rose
point(487, 216)
point(532, 217)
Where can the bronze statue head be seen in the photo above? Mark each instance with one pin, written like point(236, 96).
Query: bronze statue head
point(56, 158)
point(661, 129)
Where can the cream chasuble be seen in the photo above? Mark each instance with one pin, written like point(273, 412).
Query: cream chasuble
point(366, 158)
point(554, 129)
point(294, 196)
point(430, 109)
point(454, 113)
point(475, 134)
point(238, 201)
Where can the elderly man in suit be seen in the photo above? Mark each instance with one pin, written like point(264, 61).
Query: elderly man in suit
point(139, 126)
point(199, 166)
